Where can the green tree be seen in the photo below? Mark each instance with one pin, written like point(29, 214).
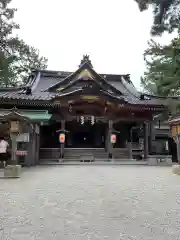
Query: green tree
point(17, 59)
point(163, 72)
point(166, 14)
point(162, 77)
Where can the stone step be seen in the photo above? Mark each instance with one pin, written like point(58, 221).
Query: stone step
point(78, 153)
point(78, 156)
point(123, 162)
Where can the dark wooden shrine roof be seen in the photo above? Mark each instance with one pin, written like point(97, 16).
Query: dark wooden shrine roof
point(41, 83)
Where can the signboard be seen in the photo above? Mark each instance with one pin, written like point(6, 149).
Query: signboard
point(23, 137)
point(15, 126)
point(61, 137)
point(113, 138)
point(175, 130)
point(85, 97)
point(178, 129)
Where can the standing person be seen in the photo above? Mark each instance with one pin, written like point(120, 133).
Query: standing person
point(3, 150)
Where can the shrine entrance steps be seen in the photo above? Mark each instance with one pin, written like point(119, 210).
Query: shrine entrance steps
point(85, 154)
point(74, 154)
point(97, 163)
point(120, 153)
point(82, 155)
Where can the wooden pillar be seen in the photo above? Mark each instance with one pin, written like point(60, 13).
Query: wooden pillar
point(32, 155)
point(151, 137)
point(37, 142)
point(33, 162)
point(14, 149)
point(107, 140)
point(129, 143)
point(177, 140)
point(110, 127)
point(38, 148)
point(29, 159)
point(63, 126)
point(146, 145)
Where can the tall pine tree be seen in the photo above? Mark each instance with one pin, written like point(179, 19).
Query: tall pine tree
point(17, 59)
point(166, 14)
point(162, 77)
point(163, 72)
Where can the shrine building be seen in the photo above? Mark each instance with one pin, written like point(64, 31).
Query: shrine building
point(89, 109)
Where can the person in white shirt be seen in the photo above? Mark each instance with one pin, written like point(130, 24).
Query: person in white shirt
point(3, 150)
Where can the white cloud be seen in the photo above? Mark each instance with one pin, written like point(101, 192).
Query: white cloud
point(114, 33)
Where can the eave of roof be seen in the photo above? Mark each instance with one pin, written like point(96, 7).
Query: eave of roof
point(10, 89)
point(33, 115)
point(81, 90)
point(47, 97)
point(174, 120)
point(160, 97)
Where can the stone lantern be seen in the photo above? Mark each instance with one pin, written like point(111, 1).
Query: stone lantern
point(16, 122)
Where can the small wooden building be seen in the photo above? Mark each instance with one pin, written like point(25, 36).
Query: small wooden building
point(88, 107)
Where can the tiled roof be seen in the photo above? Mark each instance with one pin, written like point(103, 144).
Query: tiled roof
point(44, 79)
point(23, 96)
point(5, 94)
point(45, 82)
point(134, 100)
point(28, 114)
point(45, 96)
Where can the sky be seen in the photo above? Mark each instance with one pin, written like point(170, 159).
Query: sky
point(113, 32)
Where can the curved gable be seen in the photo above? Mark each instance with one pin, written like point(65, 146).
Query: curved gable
point(85, 73)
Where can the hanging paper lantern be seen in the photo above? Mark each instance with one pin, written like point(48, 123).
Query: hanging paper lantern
point(113, 138)
point(61, 137)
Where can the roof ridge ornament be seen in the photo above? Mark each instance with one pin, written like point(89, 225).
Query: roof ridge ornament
point(85, 60)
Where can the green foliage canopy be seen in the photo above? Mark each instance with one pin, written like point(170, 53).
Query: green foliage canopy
point(166, 14)
point(163, 72)
point(17, 59)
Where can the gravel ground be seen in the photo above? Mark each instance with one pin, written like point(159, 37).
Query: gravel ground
point(91, 202)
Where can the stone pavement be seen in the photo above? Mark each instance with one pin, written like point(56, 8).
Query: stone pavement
point(91, 202)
